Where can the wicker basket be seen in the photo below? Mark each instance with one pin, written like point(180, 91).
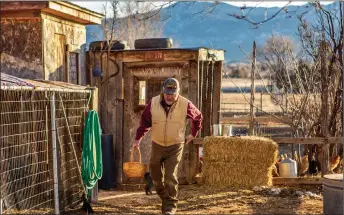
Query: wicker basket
point(135, 169)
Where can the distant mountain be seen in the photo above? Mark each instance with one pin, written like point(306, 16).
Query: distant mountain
point(188, 28)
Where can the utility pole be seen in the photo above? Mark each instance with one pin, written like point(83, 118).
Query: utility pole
point(324, 106)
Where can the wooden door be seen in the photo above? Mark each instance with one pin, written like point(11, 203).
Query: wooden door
point(154, 88)
point(60, 58)
point(133, 108)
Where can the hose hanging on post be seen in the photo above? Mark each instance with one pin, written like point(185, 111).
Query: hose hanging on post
point(91, 166)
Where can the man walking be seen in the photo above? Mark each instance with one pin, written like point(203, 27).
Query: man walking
point(166, 116)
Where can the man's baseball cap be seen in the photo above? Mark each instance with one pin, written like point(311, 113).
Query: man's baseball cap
point(171, 86)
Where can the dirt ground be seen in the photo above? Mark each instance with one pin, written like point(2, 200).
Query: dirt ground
point(197, 199)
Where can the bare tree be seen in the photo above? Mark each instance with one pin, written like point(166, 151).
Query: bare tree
point(128, 27)
point(312, 79)
point(135, 25)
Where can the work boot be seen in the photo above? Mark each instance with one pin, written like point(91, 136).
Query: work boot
point(169, 212)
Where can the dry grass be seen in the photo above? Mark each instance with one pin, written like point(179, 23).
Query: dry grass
point(238, 161)
point(32, 211)
point(241, 100)
point(195, 199)
point(242, 82)
point(250, 150)
point(236, 102)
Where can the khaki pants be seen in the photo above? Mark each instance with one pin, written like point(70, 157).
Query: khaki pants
point(163, 168)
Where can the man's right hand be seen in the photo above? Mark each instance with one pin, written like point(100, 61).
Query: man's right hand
point(136, 143)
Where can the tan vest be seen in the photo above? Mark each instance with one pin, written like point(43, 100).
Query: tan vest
point(169, 130)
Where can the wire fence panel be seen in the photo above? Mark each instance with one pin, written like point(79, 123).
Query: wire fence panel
point(26, 180)
point(74, 106)
point(26, 157)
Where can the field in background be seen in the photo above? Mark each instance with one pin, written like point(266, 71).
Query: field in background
point(242, 82)
point(235, 109)
point(239, 102)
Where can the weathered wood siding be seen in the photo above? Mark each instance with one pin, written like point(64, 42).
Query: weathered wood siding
point(119, 106)
point(186, 73)
point(110, 102)
point(21, 47)
point(74, 36)
point(132, 114)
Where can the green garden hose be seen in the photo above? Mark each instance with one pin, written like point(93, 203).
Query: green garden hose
point(92, 165)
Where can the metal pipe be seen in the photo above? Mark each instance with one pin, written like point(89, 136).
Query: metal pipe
point(64, 90)
point(53, 129)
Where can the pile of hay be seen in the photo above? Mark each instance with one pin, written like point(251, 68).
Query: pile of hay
point(238, 161)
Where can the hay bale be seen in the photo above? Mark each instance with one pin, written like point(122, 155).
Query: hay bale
point(220, 174)
point(253, 150)
point(238, 161)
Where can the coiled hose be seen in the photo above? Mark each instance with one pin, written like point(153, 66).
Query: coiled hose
point(92, 165)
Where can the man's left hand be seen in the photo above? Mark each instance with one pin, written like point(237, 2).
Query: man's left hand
point(189, 138)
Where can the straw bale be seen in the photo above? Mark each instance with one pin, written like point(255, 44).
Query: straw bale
point(238, 161)
point(220, 174)
point(251, 150)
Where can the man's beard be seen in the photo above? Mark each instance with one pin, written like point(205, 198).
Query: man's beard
point(169, 102)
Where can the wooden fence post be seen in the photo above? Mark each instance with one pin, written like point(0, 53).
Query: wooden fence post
point(251, 128)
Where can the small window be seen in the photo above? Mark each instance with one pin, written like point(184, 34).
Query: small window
point(73, 68)
point(142, 93)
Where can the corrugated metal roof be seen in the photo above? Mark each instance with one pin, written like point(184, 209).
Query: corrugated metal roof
point(11, 82)
point(55, 84)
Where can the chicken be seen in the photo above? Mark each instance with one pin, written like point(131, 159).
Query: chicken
point(275, 168)
point(296, 157)
point(340, 166)
point(275, 171)
point(334, 162)
point(304, 165)
point(313, 165)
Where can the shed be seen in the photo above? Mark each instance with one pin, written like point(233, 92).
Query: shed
point(130, 78)
point(45, 39)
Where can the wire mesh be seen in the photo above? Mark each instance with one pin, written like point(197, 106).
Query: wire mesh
point(75, 107)
point(26, 164)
